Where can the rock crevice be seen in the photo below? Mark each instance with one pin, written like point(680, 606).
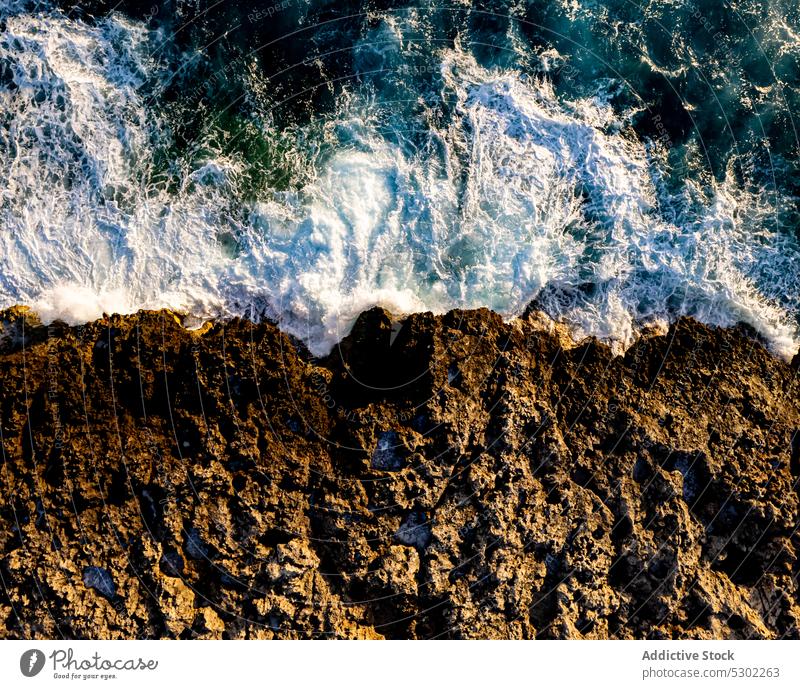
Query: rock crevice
point(449, 476)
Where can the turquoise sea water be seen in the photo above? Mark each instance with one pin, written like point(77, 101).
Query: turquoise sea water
point(615, 163)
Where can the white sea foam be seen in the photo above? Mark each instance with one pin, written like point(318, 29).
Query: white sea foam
point(77, 304)
point(516, 197)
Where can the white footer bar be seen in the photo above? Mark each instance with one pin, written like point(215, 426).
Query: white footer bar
point(401, 664)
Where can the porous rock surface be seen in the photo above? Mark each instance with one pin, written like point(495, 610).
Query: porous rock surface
point(441, 477)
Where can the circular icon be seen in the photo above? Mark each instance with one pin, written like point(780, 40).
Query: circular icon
point(31, 662)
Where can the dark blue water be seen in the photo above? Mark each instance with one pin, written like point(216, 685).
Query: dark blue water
point(613, 163)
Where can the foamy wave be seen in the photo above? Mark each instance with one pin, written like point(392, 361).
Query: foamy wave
point(76, 304)
point(515, 197)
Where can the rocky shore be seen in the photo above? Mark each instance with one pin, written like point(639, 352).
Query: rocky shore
point(441, 477)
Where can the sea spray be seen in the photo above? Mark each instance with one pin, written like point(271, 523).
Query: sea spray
point(446, 183)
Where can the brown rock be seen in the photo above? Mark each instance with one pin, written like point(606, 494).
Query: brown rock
point(453, 476)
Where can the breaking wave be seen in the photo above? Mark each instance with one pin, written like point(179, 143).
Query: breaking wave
point(469, 185)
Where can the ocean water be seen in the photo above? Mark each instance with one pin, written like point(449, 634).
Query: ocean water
point(611, 163)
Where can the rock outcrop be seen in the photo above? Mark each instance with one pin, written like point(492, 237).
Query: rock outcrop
point(441, 477)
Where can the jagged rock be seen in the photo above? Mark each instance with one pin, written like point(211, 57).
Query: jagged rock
point(441, 476)
point(100, 580)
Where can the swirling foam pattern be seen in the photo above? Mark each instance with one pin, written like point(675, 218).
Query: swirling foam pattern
point(478, 185)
